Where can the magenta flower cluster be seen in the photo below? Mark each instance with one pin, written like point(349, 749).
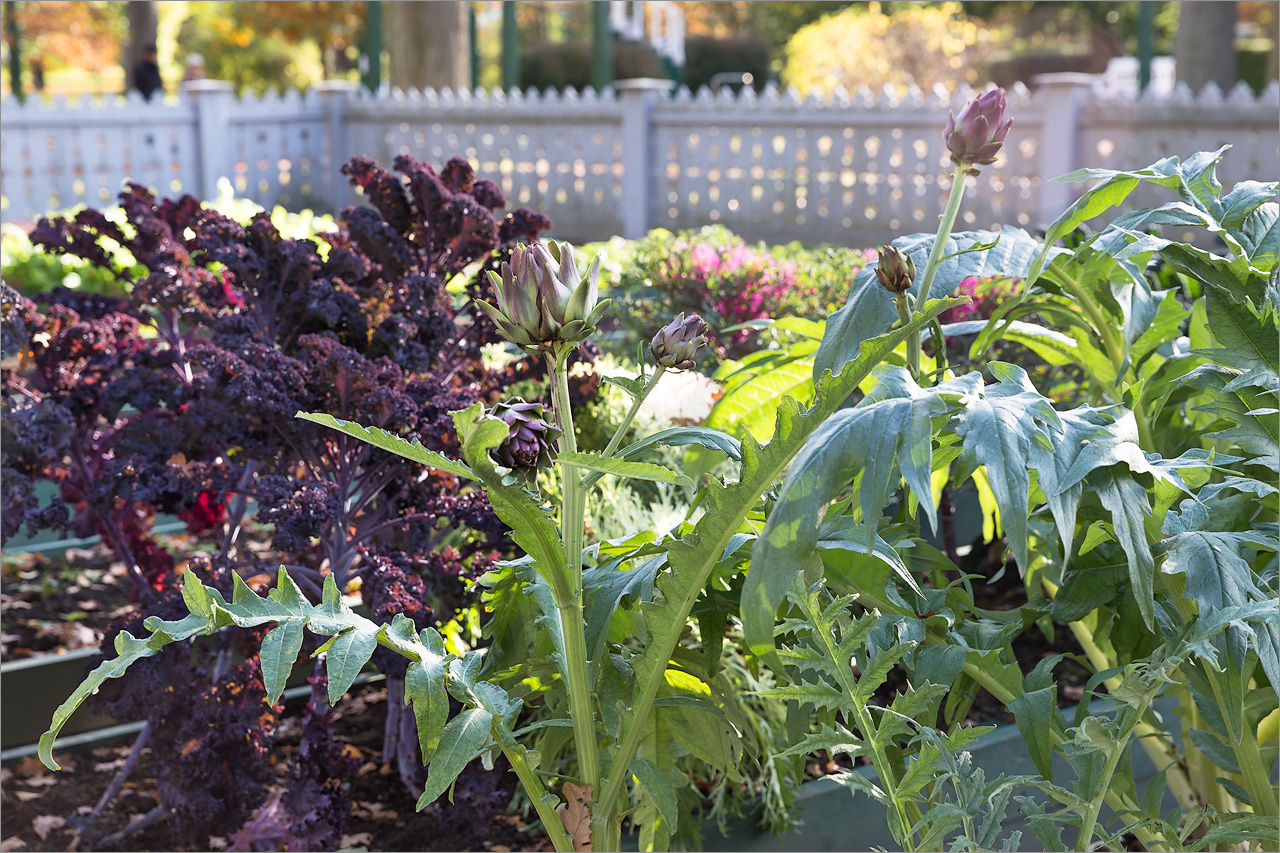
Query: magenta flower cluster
point(735, 283)
point(987, 294)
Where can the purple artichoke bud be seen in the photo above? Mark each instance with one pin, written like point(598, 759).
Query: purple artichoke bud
point(541, 299)
point(531, 438)
point(976, 135)
point(895, 270)
point(674, 345)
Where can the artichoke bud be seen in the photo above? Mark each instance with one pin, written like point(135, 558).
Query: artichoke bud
point(895, 270)
point(542, 302)
point(675, 344)
point(531, 438)
point(976, 135)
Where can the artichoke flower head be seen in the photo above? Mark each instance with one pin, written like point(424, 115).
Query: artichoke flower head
point(542, 300)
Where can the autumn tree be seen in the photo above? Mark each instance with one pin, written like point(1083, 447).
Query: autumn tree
point(77, 32)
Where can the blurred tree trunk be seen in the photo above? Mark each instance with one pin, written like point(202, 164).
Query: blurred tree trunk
point(1204, 46)
point(142, 18)
point(428, 44)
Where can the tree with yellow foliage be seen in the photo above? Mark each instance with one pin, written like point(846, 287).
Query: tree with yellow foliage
point(920, 44)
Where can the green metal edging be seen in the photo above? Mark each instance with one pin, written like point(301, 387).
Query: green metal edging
point(85, 741)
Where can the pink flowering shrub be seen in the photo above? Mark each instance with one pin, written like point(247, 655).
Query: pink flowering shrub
point(987, 294)
point(716, 274)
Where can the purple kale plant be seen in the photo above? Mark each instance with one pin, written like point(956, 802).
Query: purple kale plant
point(182, 401)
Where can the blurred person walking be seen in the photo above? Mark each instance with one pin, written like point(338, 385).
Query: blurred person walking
point(194, 68)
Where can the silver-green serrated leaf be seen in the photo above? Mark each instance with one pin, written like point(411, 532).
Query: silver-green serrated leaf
point(623, 468)
point(380, 438)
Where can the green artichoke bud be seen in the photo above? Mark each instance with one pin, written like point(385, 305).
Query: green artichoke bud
point(542, 302)
point(895, 270)
point(676, 343)
point(531, 438)
point(976, 135)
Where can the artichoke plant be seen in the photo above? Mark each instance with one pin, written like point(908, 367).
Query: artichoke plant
point(675, 344)
point(531, 438)
point(542, 302)
point(976, 135)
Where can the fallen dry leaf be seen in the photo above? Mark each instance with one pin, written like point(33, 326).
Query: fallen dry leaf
point(38, 781)
point(576, 815)
point(109, 766)
point(28, 796)
point(355, 839)
point(46, 823)
point(500, 848)
point(28, 765)
point(217, 842)
point(13, 842)
point(366, 810)
point(366, 768)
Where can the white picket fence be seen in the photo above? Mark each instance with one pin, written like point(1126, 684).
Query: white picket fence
point(853, 169)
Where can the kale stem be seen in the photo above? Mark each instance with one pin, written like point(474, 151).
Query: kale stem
point(117, 781)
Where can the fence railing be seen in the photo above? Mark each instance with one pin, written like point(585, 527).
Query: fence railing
point(854, 168)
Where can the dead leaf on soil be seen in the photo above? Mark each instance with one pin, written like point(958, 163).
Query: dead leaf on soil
point(38, 782)
point(28, 765)
point(46, 823)
point(109, 766)
point(366, 810)
point(366, 768)
point(217, 842)
point(576, 815)
point(28, 796)
point(13, 842)
point(355, 839)
point(500, 848)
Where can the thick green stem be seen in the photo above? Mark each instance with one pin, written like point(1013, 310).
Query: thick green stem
point(535, 790)
point(913, 353)
point(1154, 742)
point(935, 259)
point(1257, 781)
point(1090, 819)
point(581, 706)
point(1114, 348)
point(908, 813)
point(631, 413)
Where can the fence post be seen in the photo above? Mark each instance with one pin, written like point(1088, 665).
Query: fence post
point(213, 100)
point(335, 94)
point(638, 98)
point(1061, 97)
